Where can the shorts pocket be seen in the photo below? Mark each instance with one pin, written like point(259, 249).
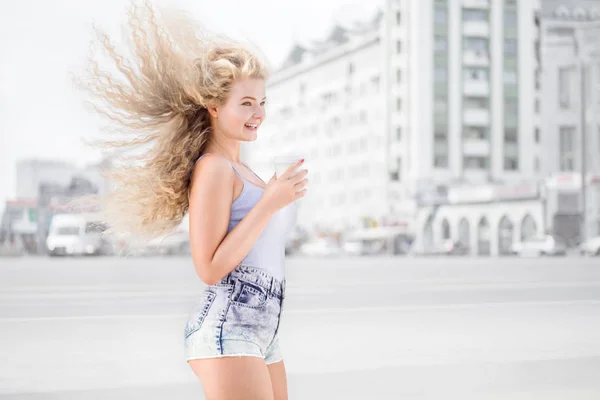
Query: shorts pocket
point(198, 314)
point(249, 295)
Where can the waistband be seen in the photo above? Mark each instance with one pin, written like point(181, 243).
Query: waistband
point(257, 276)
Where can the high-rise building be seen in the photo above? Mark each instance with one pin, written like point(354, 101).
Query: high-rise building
point(425, 107)
point(571, 84)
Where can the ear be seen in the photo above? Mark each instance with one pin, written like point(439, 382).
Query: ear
point(213, 111)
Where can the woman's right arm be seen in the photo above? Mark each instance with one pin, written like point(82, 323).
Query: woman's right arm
point(215, 252)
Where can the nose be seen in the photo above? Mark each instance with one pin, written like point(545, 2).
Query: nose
point(259, 112)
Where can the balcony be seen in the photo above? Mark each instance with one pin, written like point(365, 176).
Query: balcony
point(483, 4)
point(476, 58)
point(476, 147)
point(476, 28)
point(476, 88)
point(476, 117)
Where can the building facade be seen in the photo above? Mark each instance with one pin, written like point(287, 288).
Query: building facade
point(570, 134)
point(327, 105)
point(424, 97)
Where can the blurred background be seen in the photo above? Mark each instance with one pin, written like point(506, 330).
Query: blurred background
point(434, 126)
point(430, 129)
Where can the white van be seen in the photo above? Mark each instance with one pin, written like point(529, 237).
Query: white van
point(76, 234)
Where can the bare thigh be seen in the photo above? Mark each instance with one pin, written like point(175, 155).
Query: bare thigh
point(278, 380)
point(234, 378)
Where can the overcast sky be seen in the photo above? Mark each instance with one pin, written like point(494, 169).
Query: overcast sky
point(41, 41)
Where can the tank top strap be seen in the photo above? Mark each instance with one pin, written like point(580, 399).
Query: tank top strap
point(236, 171)
point(232, 166)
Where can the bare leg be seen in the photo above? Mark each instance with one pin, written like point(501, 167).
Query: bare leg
point(234, 378)
point(278, 380)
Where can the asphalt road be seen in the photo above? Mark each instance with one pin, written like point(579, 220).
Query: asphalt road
point(354, 328)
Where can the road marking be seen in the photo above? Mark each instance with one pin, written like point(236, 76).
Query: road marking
point(322, 311)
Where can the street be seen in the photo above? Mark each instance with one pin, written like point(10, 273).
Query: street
point(354, 328)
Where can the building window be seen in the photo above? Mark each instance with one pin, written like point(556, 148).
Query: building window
point(350, 69)
point(510, 77)
point(398, 47)
point(398, 17)
point(476, 74)
point(537, 106)
point(476, 44)
point(441, 16)
point(536, 164)
point(479, 103)
point(475, 132)
point(565, 78)
point(476, 162)
point(510, 19)
point(440, 161)
point(398, 75)
point(398, 104)
point(475, 14)
point(398, 133)
point(511, 135)
point(446, 232)
point(440, 74)
point(441, 44)
point(511, 164)
point(440, 105)
point(510, 47)
point(566, 148)
point(375, 83)
point(511, 107)
point(363, 116)
point(399, 168)
point(537, 135)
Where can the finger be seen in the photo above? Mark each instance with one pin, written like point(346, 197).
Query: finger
point(301, 184)
point(300, 194)
point(288, 172)
point(298, 177)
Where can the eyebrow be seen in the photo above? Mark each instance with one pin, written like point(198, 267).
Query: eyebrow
point(248, 97)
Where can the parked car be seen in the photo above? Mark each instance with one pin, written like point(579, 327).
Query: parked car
point(546, 245)
point(590, 247)
point(77, 234)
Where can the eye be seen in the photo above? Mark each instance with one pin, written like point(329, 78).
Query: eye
point(263, 103)
point(246, 103)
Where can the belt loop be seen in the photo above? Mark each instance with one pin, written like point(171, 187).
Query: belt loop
point(271, 286)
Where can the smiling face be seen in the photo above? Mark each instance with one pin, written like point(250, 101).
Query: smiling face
point(243, 113)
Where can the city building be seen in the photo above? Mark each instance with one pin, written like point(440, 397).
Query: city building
point(397, 112)
point(44, 187)
point(327, 104)
point(571, 84)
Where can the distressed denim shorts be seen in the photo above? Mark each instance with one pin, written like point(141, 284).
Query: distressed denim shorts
point(239, 316)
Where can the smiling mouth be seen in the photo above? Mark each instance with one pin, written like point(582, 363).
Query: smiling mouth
point(252, 127)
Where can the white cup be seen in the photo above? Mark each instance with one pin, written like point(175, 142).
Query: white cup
point(282, 163)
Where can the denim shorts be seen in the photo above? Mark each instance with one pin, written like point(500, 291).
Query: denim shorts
point(239, 316)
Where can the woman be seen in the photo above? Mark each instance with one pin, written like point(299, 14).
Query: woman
point(192, 99)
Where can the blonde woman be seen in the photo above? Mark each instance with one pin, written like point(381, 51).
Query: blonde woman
point(191, 99)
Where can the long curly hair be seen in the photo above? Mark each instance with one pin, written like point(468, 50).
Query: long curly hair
point(159, 91)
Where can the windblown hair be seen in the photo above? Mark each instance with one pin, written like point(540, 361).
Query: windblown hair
point(159, 92)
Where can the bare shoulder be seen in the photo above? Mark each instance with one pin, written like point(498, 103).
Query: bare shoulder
point(214, 171)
